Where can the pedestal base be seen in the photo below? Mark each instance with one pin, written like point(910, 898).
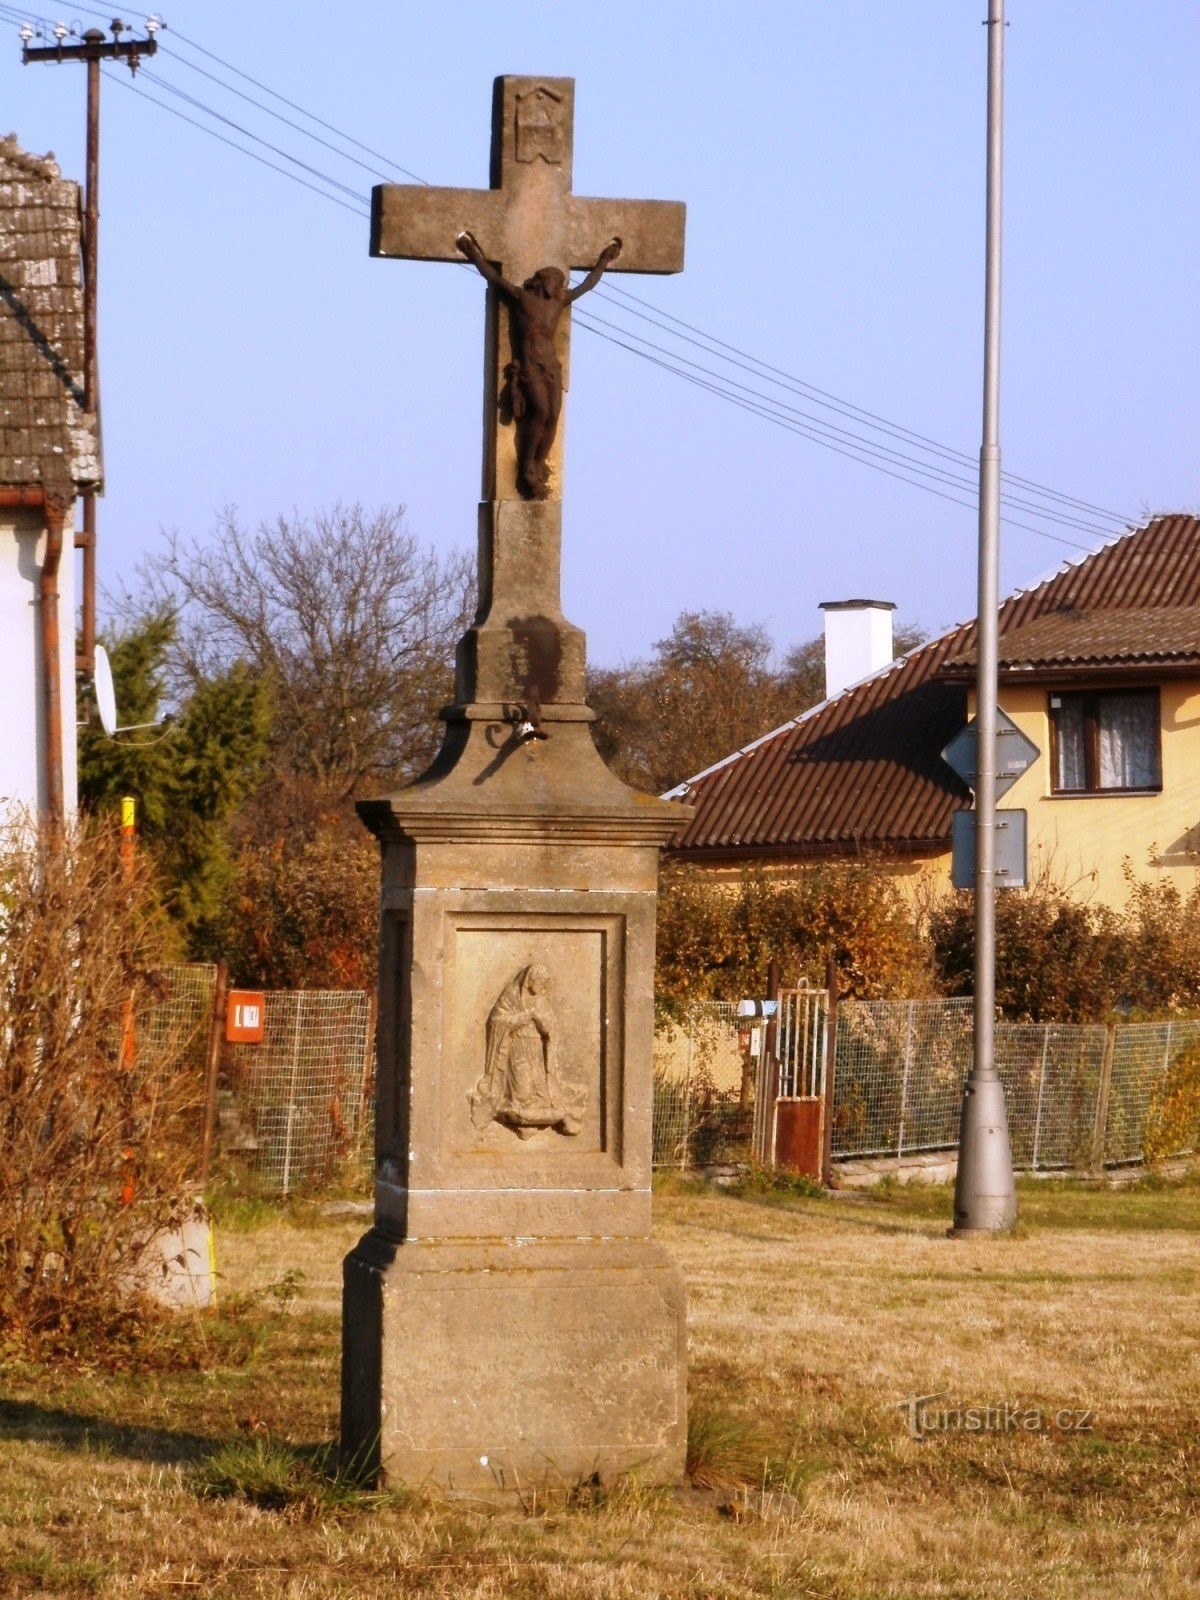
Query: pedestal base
point(493, 1367)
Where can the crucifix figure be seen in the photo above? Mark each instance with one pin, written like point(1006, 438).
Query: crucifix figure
point(533, 379)
point(527, 223)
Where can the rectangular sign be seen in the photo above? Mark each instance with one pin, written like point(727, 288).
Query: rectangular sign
point(1011, 870)
point(245, 1016)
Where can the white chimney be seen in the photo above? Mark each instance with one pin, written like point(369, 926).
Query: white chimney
point(858, 641)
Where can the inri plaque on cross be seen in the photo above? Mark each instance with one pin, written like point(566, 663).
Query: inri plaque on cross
point(528, 220)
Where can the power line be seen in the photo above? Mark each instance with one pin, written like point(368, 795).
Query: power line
point(824, 396)
point(279, 117)
point(181, 94)
point(910, 463)
point(283, 100)
point(787, 380)
point(762, 410)
point(843, 441)
point(836, 403)
point(360, 210)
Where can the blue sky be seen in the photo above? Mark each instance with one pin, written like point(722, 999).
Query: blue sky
point(831, 156)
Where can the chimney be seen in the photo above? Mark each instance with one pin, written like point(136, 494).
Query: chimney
point(858, 641)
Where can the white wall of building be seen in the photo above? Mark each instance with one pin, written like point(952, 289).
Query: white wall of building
point(22, 700)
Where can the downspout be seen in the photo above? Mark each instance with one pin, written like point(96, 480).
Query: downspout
point(53, 505)
point(54, 515)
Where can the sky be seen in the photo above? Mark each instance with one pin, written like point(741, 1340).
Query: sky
point(831, 155)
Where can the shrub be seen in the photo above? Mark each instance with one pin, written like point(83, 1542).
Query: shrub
point(306, 911)
point(99, 1114)
point(716, 937)
point(1057, 960)
point(1173, 1115)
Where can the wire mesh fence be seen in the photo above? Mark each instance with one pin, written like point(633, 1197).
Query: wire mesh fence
point(305, 1090)
point(898, 1074)
point(703, 1089)
point(1078, 1095)
point(181, 1014)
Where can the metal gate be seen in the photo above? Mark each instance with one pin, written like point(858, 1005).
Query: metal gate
point(789, 1109)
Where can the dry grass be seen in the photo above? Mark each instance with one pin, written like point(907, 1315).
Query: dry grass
point(810, 1320)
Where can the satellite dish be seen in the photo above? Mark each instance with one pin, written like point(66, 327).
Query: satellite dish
point(106, 698)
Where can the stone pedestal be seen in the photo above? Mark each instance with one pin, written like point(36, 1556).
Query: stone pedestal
point(508, 1313)
point(488, 1368)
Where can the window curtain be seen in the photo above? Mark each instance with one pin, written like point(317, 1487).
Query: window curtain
point(1070, 744)
point(1127, 741)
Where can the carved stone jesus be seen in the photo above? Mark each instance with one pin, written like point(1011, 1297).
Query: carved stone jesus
point(533, 382)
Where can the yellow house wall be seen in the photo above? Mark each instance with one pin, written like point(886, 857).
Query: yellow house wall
point(1084, 841)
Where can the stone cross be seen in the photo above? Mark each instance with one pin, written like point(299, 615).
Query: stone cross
point(509, 1320)
point(527, 219)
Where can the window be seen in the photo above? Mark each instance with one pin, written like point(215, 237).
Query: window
point(1105, 740)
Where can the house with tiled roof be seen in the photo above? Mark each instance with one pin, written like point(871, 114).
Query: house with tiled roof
point(1099, 665)
point(49, 455)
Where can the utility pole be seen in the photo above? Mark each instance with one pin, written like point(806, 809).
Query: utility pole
point(985, 1197)
point(93, 48)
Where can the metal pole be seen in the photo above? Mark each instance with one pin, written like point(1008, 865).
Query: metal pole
point(91, 236)
point(291, 1109)
point(985, 1197)
point(92, 49)
point(212, 1066)
point(908, 1033)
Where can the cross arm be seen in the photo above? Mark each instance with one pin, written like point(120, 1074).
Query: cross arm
point(421, 224)
point(651, 233)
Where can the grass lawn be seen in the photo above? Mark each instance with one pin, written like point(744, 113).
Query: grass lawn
point(811, 1319)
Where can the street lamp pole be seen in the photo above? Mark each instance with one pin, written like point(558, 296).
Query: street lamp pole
point(985, 1198)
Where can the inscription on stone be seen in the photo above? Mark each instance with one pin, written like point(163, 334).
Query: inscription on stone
point(540, 126)
point(520, 1086)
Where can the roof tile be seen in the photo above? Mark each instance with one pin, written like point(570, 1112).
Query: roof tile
point(44, 432)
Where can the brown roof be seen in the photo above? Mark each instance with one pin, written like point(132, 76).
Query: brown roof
point(44, 433)
point(1070, 640)
point(864, 771)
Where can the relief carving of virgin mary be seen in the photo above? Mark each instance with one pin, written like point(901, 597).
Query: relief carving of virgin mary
point(520, 1086)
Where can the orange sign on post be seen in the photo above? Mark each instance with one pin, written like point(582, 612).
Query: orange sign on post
point(245, 1015)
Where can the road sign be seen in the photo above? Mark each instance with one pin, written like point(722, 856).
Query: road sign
point(1015, 754)
point(245, 1016)
point(1012, 870)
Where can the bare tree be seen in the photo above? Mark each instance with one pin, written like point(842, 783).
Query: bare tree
point(348, 620)
point(711, 687)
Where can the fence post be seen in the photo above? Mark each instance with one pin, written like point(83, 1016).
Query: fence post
point(1037, 1120)
point(216, 1036)
point(291, 1110)
point(831, 1010)
point(770, 1070)
point(1100, 1126)
point(908, 1031)
point(368, 1071)
point(685, 1144)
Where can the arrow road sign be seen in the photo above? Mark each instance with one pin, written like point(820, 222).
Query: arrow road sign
point(1015, 753)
